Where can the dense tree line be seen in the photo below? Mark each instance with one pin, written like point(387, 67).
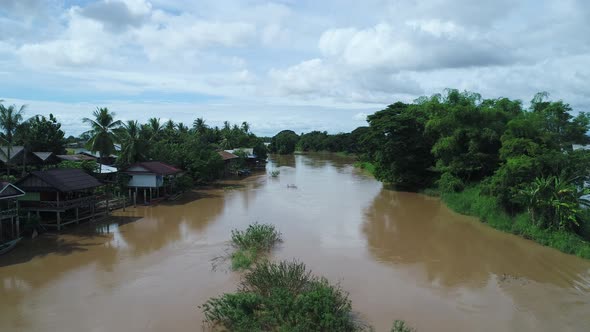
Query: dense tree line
point(287, 141)
point(522, 157)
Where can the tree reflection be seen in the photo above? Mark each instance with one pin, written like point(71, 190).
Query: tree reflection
point(454, 250)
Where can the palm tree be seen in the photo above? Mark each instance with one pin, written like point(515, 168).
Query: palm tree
point(154, 127)
point(103, 132)
point(199, 126)
point(10, 119)
point(132, 143)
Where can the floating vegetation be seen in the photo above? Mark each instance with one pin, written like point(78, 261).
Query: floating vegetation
point(275, 173)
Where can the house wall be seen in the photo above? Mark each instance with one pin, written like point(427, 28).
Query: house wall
point(143, 180)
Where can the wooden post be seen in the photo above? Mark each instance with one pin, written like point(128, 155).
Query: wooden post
point(77, 215)
point(144, 196)
point(151, 196)
point(12, 226)
point(17, 221)
point(158, 192)
point(58, 221)
point(135, 198)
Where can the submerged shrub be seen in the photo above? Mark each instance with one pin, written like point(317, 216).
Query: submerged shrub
point(401, 326)
point(256, 236)
point(251, 242)
point(282, 296)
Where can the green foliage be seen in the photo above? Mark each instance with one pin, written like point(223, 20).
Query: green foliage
point(183, 183)
point(103, 131)
point(243, 259)
point(89, 166)
point(282, 296)
point(365, 165)
point(398, 146)
point(519, 156)
point(275, 173)
point(259, 237)
point(449, 183)
point(41, 134)
point(472, 201)
point(401, 326)
point(284, 142)
point(555, 202)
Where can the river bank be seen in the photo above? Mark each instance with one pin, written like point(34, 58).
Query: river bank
point(398, 255)
point(472, 202)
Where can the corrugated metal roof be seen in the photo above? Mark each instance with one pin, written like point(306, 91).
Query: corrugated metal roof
point(14, 151)
point(43, 155)
point(227, 155)
point(155, 167)
point(63, 179)
point(8, 190)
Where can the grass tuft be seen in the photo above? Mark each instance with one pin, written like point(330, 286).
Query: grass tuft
point(249, 243)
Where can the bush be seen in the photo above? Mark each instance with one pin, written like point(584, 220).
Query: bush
point(256, 236)
point(401, 326)
point(248, 244)
point(282, 296)
point(449, 183)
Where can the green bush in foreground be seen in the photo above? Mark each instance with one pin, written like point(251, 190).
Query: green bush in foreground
point(282, 296)
point(257, 238)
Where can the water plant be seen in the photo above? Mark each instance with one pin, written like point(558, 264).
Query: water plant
point(282, 296)
point(249, 243)
point(275, 173)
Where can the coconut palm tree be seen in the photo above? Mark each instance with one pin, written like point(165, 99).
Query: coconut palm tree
point(155, 128)
point(133, 145)
point(103, 132)
point(10, 118)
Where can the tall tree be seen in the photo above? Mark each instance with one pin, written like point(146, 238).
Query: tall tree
point(133, 145)
point(103, 132)
point(10, 118)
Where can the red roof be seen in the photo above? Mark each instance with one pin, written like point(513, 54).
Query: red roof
point(156, 167)
point(226, 155)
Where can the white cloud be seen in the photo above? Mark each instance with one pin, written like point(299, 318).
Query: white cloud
point(281, 54)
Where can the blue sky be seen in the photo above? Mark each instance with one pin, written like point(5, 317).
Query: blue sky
point(299, 65)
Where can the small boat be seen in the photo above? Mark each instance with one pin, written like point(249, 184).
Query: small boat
point(7, 246)
point(292, 186)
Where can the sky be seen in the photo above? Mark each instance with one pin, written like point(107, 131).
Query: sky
point(290, 64)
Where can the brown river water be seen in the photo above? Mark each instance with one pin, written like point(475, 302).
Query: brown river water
point(399, 255)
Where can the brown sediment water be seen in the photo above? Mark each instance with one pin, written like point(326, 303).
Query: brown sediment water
point(399, 255)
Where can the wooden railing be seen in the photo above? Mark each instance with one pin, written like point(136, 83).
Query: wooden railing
point(82, 202)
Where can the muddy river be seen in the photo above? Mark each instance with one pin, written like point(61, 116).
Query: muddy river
point(399, 255)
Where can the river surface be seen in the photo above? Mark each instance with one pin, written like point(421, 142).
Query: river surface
point(399, 255)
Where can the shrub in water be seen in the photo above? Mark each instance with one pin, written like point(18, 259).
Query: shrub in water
point(282, 296)
point(249, 243)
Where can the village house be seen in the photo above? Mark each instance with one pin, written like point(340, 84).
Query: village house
point(60, 196)
point(229, 161)
point(150, 180)
point(9, 220)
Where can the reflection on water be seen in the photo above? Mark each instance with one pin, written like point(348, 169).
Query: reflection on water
point(400, 255)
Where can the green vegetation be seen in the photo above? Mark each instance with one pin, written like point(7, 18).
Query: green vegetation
point(366, 166)
point(515, 168)
point(282, 296)
point(472, 202)
point(284, 142)
point(275, 173)
point(248, 244)
point(401, 326)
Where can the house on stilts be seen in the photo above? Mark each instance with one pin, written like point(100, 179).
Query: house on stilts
point(61, 196)
point(150, 180)
point(9, 206)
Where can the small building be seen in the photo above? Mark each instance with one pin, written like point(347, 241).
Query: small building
point(150, 180)
point(251, 158)
point(9, 221)
point(60, 196)
point(46, 158)
point(229, 161)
